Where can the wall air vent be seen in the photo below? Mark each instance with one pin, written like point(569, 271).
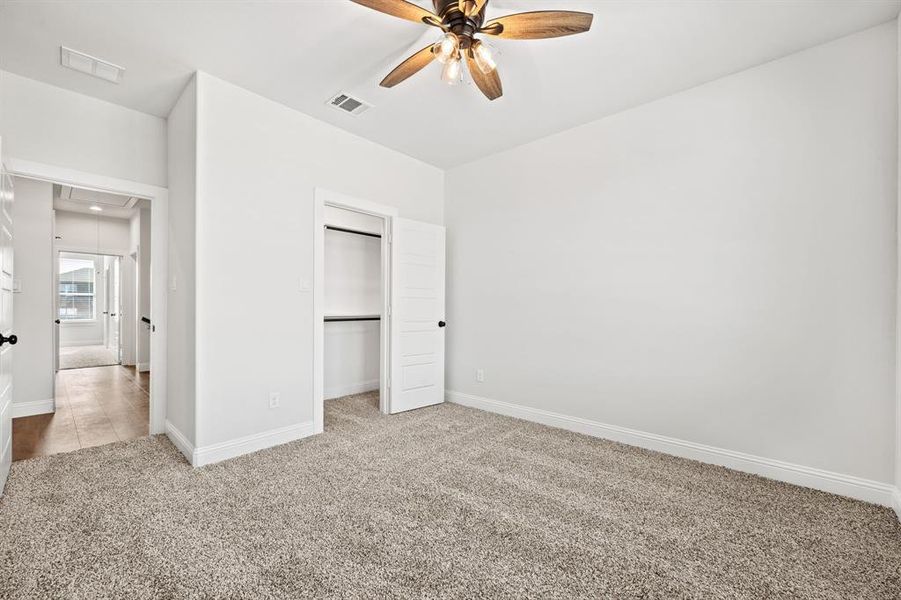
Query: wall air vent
point(90, 65)
point(348, 104)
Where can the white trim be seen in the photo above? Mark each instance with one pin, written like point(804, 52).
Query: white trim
point(179, 440)
point(323, 197)
point(159, 249)
point(5, 463)
point(143, 367)
point(896, 502)
point(350, 389)
point(6, 454)
point(33, 407)
point(214, 453)
point(828, 481)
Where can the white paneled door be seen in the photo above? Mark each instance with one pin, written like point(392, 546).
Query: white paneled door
point(417, 315)
point(7, 337)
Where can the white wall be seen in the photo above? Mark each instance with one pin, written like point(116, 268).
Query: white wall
point(350, 358)
point(352, 286)
point(180, 360)
point(258, 165)
point(47, 124)
point(33, 304)
point(353, 266)
point(79, 232)
point(717, 266)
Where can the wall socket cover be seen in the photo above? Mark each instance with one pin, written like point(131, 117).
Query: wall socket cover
point(274, 399)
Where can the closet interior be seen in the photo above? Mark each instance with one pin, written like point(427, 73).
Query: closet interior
point(353, 302)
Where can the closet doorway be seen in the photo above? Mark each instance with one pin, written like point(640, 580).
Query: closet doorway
point(354, 303)
point(376, 273)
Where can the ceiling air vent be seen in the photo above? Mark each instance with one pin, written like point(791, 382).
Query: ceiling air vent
point(349, 104)
point(90, 65)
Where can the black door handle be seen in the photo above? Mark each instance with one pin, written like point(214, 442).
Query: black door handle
point(13, 339)
point(441, 324)
point(57, 321)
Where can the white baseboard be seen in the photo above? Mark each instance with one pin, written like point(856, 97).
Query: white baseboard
point(828, 481)
point(896, 502)
point(6, 459)
point(82, 343)
point(180, 441)
point(207, 455)
point(354, 388)
point(143, 367)
point(33, 407)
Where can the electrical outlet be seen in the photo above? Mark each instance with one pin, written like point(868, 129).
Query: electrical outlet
point(274, 399)
point(480, 375)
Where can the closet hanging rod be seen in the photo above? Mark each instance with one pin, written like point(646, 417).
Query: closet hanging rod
point(367, 318)
point(375, 235)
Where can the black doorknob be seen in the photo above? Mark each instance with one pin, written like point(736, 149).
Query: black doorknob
point(13, 339)
point(57, 321)
point(441, 324)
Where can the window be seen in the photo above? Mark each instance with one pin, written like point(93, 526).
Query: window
point(76, 289)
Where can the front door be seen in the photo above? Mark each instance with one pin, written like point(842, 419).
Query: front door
point(417, 315)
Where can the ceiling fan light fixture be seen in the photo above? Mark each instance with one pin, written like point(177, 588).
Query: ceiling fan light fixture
point(446, 48)
point(484, 57)
point(452, 73)
point(462, 21)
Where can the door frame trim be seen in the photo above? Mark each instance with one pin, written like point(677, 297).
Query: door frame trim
point(321, 199)
point(159, 258)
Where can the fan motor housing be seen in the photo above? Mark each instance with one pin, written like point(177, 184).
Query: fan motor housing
point(454, 19)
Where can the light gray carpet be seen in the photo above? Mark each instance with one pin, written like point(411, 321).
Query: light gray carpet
point(81, 357)
point(443, 502)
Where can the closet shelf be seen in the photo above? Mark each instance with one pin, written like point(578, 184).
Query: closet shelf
point(332, 318)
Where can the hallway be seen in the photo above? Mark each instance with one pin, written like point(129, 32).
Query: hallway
point(93, 407)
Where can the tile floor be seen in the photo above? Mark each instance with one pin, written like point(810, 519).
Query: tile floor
point(93, 407)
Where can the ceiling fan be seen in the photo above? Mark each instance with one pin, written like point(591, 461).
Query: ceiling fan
point(461, 21)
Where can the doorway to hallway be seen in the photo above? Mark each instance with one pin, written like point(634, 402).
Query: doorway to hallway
point(89, 302)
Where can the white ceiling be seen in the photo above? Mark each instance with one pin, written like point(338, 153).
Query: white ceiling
point(301, 53)
point(80, 200)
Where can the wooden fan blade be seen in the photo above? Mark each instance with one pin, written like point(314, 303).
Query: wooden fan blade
point(490, 84)
point(471, 7)
point(401, 9)
point(409, 67)
point(479, 5)
point(539, 25)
